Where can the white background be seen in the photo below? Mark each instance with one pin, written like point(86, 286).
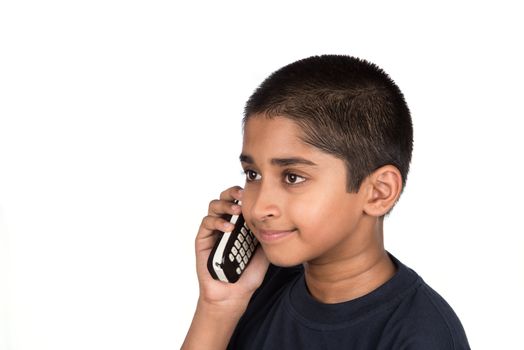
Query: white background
point(120, 121)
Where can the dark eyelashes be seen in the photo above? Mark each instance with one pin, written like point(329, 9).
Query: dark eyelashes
point(286, 175)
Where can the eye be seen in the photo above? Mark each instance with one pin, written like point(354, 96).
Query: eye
point(291, 178)
point(252, 175)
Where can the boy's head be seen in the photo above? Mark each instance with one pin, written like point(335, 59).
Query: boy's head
point(326, 151)
point(346, 107)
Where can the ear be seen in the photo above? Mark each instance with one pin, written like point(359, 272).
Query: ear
point(384, 186)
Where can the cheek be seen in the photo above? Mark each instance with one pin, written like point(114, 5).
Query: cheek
point(309, 214)
point(326, 216)
point(323, 203)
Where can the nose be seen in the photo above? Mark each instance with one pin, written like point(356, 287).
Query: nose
point(265, 203)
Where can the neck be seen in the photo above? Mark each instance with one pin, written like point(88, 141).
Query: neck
point(352, 274)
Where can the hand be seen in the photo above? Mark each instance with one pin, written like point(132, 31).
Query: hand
point(218, 292)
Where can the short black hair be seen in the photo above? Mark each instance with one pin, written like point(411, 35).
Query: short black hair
point(345, 106)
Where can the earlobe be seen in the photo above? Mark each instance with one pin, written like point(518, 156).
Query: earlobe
point(385, 185)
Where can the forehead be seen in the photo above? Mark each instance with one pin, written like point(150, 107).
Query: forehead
point(278, 137)
point(274, 134)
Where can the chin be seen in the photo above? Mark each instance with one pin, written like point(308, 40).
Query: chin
point(283, 260)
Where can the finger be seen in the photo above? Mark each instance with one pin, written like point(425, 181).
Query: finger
point(208, 232)
point(213, 223)
point(232, 193)
point(222, 207)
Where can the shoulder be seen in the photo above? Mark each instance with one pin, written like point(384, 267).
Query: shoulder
point(424, 320)
point(444, 323)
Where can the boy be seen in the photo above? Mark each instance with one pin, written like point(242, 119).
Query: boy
point(326, 152)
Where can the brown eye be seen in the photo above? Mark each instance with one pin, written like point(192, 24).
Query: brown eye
point(294, 178)
point(252, 175)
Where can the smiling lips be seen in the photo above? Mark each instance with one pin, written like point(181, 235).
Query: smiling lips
point(269, 236)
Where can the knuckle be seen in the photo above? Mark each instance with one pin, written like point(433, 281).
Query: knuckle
point(212, 204)
point(228, 194)
point(207, 222)
point(224, 193)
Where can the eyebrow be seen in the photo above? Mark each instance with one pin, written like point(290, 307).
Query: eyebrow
point(244, 158)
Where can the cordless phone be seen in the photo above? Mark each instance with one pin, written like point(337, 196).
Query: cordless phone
point(232, 251)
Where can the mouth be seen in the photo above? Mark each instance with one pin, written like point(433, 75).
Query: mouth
point(270, 236)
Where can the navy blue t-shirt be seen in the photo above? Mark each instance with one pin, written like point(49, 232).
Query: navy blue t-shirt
point(403, 313)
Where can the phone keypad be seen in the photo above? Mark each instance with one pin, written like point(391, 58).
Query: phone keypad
point(242, 249)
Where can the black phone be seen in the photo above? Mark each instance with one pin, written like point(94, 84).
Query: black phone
point(232, 251)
